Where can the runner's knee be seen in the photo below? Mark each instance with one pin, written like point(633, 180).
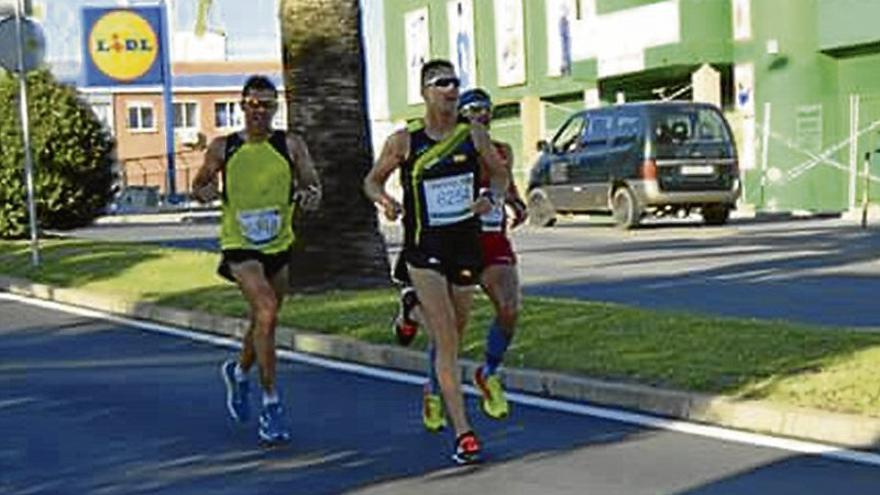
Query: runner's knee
point(507, 316)
point(266, 312)
point(446, 361)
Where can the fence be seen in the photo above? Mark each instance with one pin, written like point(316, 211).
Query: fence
point(818, 156)
point(151, 172)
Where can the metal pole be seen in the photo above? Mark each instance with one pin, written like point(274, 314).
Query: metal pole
point(866, 193)
point(167, 103)
point(853, 148)
point(765, 149)
point(26, 136)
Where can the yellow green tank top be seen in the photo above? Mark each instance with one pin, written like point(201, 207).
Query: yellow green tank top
point(257, 195)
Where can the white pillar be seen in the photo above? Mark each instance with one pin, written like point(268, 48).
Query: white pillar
point(706, 82)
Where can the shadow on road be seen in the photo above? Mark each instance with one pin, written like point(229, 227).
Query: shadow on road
point(815, 274)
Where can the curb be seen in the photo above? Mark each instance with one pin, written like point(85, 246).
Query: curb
point(848, 430)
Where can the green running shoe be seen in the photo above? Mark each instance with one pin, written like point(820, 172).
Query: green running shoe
point(433, 416)
point(492, 400)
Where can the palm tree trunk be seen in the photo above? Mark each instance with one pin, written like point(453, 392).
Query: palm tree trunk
point(339, 246)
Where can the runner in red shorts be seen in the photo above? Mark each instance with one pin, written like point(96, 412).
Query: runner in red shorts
point(500, 277)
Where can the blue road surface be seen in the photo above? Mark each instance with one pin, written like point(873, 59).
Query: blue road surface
point(95, 407)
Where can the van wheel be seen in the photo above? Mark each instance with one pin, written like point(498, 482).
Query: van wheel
point(715, 214)
point(541, 211)
point(625, 208)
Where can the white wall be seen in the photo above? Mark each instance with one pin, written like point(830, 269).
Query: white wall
point(373, 18)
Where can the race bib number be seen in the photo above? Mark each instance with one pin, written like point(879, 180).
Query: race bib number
point(260, 226)
point(448, 199)
point(494, 219)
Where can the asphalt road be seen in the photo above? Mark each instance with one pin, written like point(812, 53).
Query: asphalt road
point(820, 271)
point(99, 407)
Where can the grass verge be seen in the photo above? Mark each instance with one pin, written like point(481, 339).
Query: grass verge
point(829, 368)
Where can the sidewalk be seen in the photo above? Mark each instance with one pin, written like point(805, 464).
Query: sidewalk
point(851, 431)
point(201, 215)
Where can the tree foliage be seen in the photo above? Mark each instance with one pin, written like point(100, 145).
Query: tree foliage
point(73, 157)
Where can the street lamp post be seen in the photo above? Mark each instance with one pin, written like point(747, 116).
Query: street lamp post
point(25, 132)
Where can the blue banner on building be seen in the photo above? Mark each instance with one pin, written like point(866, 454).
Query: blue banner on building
point(122, 46)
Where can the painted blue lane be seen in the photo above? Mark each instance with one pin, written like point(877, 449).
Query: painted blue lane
point(89, 406)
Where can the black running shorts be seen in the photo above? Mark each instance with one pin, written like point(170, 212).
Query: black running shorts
point(272, 263)
point(453, 253)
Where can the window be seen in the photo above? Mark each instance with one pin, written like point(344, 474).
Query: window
point(694, 126)
point(628, 130)
point(186, 115)
point(710, 127)
point(227, 115)
point(140, 117)
point(598, 131)
point(567, 138)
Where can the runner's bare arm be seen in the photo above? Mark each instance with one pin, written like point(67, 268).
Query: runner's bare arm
point(493, 163)
point(512, 195)
point(306, 173)
point(394, 153)
point(308, 191)
point(205, 186)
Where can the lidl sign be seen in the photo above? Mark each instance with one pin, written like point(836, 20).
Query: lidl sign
point(122, 46)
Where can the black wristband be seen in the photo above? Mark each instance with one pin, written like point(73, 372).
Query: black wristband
point(489, 195)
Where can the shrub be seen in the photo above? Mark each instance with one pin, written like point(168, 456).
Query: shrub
point(73, 157)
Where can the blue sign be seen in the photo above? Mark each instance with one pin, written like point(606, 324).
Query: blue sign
point(122, 46)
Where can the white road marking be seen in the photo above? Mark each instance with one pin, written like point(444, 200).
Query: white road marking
point(715, 432)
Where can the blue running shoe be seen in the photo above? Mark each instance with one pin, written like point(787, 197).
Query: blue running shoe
point(273, 429)
point(237, 393)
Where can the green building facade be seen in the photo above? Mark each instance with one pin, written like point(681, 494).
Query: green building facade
point(799, 80)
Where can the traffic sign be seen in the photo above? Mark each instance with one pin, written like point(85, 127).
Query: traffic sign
point(33, 46)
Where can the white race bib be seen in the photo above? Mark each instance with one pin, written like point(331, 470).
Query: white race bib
point(448, 199)
point(494, 219)
point(260, 226)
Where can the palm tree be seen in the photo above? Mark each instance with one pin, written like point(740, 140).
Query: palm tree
point(340, 245)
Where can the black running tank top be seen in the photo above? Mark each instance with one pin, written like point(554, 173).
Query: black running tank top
point(440, 181)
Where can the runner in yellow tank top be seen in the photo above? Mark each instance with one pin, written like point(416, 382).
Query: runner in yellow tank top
point(257, 189)
point(265, 174)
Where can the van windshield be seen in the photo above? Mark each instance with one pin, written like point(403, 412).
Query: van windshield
point(681, 132)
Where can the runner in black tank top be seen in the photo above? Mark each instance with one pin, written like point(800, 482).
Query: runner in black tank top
point(440, 176)
point(440, 181)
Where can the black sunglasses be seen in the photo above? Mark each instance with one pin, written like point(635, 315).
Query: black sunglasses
point(444, 82)
point(258, 103)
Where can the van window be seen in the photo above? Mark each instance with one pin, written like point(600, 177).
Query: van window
point(598, 131)
point(567, 137)
point(689, 126)
point(627, 131)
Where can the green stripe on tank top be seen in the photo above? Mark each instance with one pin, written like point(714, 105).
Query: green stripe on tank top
point(433, 156)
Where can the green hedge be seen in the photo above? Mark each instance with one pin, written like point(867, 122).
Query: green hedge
point(72, 151)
